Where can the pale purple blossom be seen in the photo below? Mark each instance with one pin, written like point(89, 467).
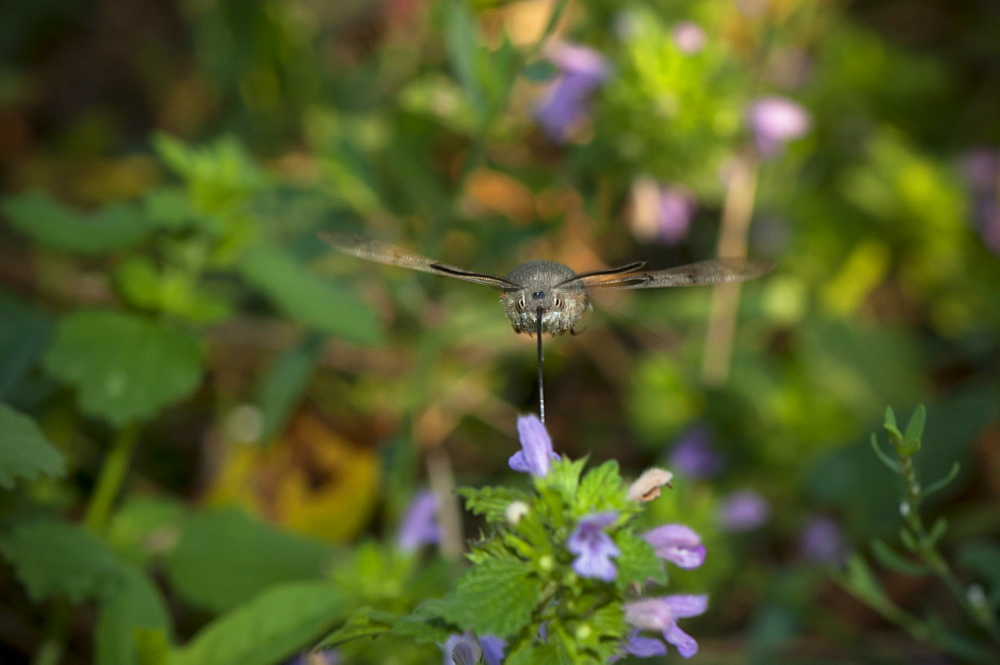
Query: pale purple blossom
point(419, 526)
point(462, 650)
point(774, 121)
point(321, 657)
point(688, 37)
point(694, 456)
point(676, 210)
point(821, 541)
point(640, 646)
point(981, 168)
point(661, 614)
point(743, 511)
point(582, 70)
point(493, 647)
point(536, 454)
point(678, 544)
point(593, 547)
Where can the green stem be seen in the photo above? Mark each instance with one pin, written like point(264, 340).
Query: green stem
point(109, 483)
point(931, 556)
point(98, 513)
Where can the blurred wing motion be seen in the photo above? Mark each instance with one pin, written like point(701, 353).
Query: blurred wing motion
point(383, 252)
point(713, 271)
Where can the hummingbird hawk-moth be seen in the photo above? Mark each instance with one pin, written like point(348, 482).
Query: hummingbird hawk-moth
point(546, 296)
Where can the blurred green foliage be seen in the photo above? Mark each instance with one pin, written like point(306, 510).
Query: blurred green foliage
point(169, 318)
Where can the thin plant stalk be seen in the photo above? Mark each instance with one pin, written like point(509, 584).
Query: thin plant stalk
point(741, 190)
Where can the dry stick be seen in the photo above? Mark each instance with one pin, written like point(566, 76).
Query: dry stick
point(736, 215)
point(442, 482)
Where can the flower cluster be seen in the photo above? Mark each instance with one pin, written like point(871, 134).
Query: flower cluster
point(597, 538)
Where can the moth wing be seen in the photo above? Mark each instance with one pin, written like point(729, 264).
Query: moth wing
point(712, 271)
point(389, 254)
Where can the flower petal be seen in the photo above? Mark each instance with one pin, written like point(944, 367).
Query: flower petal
point(686, 645)
point(536, 454)
point(683, 606)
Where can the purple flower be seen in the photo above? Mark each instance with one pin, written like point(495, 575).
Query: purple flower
point(660, 211)
point(593, 547)
point(492, 649)
point(676, 210)
point(774, 121)
point(981, 168)
point(640, 647)
point(644, 647)
point(466, 649)
point(419, 526)
point(661, 614)
point(677, 544)
point(582, 70)
point(462, 650)
point(688, 37)
point(322, 657)
point(536, 454)
point(821, 541)
point(743, 511)
point(694, 456)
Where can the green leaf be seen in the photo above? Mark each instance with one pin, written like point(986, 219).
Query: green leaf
point(609, 620)
point(937, 531)
point(461, 38)
point(982, 560)
point(53, 558)
point(365, 622)
point(859, 580)
point(284, 383)
point(25, 331)
point(890, 559)
point(225, 557)
point(136, 606)
point(909, 448)
point(890, 418)
point(637, 562)
point(915, 428)
point(491, 502)
point(535, 654)
point(268, 629)
point(943, 482)
point(53, 225)
point(24, 450)
point(540, 71)
point(494, 597)
point(601, 489)
point(564, 477)
point(423, 627)
point(892, 464)
point(145, 526)
point(308, 299)
point(125, 367)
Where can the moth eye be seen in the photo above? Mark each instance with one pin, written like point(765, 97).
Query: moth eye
point(520, 303)
point(558, 302)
